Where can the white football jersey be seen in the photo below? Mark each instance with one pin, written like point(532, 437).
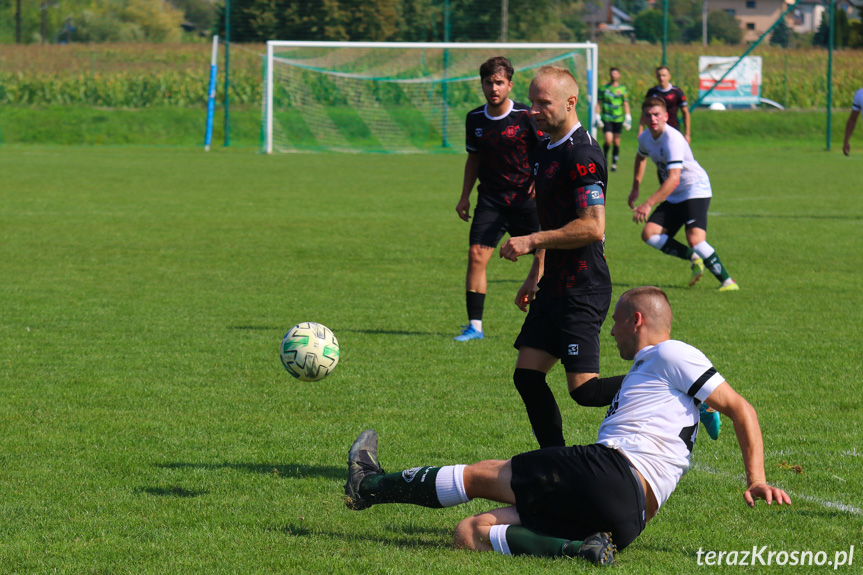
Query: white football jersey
point(857, 105)
point(671, 151)
point(653, 419)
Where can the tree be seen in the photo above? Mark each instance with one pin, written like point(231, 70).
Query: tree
point(841, 31)
point(201, 13)
point(126, 21)
point(855, 34)
point(648, 26)
point(781, 35)
point(723, 27)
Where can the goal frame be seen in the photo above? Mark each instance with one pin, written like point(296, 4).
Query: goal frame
point(591, 64)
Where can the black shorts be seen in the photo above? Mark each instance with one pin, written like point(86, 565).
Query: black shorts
point(490, 222)
point(613, 127)
point(690, 213)
point(573, 492)
point(567, 328)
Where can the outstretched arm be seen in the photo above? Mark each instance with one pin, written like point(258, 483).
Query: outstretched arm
point(687, 123)
point(729, 403)
point(642, 212)
point(849, 129)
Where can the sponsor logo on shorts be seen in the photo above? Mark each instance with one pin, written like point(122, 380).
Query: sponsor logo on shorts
point(572, 349)
point(409, 474)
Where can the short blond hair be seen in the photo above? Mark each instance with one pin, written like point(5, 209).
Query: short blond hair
point(563, 77)
point(651, 302)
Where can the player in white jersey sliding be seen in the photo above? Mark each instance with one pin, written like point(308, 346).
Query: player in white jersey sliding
point(682, 199)
point(856, 108)
point(571, 501)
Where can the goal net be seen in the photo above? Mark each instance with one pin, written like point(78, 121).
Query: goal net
point(395, 97)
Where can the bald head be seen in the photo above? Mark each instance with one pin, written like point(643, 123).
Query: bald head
point(553, 94)
point(652, 303)
point(565, 85)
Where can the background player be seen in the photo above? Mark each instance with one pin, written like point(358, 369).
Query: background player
point(499, 138)
point(674, 99)
point(856, 107)
point(612, 115)
point(683, 196)
point(562, 502)
point(569, 269)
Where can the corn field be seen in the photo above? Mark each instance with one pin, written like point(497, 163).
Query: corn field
point(144, 75)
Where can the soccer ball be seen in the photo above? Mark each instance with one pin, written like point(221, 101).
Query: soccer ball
point(309, 351)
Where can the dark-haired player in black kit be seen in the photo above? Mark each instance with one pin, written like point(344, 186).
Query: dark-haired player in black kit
point(675, 100)
point(568, 289)
point(499, 138)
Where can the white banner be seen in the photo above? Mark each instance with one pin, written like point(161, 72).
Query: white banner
point(741, 86)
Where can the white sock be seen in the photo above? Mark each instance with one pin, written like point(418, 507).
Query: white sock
point(476, 324)
point(498, 539)
point(657, 241)
point(449, 484)
point(703, 249)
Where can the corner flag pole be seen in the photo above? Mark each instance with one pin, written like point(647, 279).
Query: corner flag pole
point(211, 96)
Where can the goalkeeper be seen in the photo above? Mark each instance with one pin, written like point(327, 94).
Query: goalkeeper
point(612, 115)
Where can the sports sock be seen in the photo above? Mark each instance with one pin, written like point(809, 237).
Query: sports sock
point(427, 486)
point(475, 303)
point(615, 154)
point(670, 246)
point(542, 409)
point(605, 152)
point(518, 540)
point(711, 260)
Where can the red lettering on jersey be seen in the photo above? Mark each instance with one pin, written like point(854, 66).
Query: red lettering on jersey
point(583, 170)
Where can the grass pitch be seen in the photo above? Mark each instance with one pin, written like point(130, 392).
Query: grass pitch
point(148, 426)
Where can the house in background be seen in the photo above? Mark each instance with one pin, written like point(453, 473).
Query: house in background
point(603, 16)
point(755, 16)
point(807, 16)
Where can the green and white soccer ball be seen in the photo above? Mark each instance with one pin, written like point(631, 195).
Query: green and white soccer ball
point(310, 351)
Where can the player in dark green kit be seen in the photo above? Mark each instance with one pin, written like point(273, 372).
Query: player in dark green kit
point(612, 115)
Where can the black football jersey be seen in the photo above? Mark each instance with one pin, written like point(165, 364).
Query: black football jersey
point(503, 144)
point(571, 175)
point(674, 100)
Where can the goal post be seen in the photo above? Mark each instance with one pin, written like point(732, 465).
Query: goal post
point(396, 97)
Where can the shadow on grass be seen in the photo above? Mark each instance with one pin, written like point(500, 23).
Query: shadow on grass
point(628, 286)
point(392, 332)
point(288, 470)
point(851, 217)
point(421, 540)
point(173, 491)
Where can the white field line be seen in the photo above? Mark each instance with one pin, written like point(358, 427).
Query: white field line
point(810, 498)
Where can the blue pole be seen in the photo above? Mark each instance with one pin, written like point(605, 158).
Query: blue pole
point(211, 96)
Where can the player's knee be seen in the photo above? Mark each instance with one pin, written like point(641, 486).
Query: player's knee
point(468, 533)
point(648, 236)
point(477, 255)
